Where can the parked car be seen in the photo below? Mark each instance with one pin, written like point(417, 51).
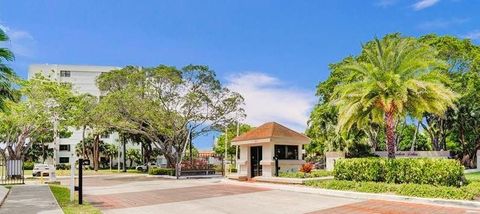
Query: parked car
point(144, 167)
point(39, 168)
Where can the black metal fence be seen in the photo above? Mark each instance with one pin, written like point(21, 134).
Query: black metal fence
point(11, 171)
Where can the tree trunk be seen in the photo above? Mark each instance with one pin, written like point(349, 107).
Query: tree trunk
point(96, 152)
point(83, 141)
point(390, 126)
point(415, 137)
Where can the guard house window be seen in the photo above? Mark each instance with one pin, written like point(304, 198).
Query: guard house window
point(286, 152)
point(64, 160)
point(64, 73)
point(64, 147)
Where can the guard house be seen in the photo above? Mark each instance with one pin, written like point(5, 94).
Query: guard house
point(258, 147)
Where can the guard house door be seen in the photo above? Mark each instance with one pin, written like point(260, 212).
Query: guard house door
point(255, 158)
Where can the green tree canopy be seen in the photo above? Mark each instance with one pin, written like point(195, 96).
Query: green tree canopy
point(164, 104)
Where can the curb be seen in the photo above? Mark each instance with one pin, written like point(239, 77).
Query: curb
point(362, 195)
point(185, 177)
point(3, 194)
point(55, 199)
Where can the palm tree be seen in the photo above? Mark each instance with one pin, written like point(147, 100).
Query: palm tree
point(393, 78)
point(6, 73)
point(111, 151)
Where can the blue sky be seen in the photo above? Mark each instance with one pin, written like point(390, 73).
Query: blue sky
point(273, 52)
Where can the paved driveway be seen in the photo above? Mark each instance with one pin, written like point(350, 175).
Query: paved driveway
point(140, 194)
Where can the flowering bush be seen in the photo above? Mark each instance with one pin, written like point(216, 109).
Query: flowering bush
point(306, 168)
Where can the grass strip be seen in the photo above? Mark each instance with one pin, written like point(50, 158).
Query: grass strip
point(62, 195)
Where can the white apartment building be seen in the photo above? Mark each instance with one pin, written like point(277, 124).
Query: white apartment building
point(83, 80)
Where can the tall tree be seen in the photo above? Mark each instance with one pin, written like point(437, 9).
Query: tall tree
point(33, 116)
point(392, 78)
point(6, 73)
point(164, 104)
point(459, 132)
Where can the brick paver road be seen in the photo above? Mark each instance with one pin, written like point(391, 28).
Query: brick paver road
point(140, 194)
point(391, 207)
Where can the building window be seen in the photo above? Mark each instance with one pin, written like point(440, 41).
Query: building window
point(238, 152)
point(65, 147)
point(105, 135)
point(64, 160)
point(286, 152)
point(64, 73)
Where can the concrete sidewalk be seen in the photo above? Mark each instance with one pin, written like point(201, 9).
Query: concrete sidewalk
point(27, 199)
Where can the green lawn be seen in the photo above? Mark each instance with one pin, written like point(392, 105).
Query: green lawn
point(473, 177)
point(62, 194)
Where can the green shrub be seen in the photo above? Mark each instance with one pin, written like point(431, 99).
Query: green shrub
point(468, 192)
point(161, 171)
point(437, 171)
point(63, 166)
point(28, 165)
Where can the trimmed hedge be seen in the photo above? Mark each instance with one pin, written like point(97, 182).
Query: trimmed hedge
point(28, 165)
point(161, 171)
point(468, 192)
point(446, 172)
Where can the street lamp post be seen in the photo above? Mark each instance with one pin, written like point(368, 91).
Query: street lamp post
point(226, 148)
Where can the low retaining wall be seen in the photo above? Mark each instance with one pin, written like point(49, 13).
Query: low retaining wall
point(331, 157)
point(416, 154)
point(281, 180)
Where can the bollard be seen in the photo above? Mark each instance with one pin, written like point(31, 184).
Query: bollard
point(80, 181)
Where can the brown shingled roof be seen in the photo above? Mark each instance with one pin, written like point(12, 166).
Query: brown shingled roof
point(269, 130)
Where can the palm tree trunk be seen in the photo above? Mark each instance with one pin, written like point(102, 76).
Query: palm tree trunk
point(412, 148)
point(390, 122)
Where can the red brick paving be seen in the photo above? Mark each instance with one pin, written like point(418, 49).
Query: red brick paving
point(391, 207)
point(136, 199)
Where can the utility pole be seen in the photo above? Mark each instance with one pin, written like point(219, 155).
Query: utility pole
point(226, 148)
point(118, 155)
point(124, 154)
point(236, 146)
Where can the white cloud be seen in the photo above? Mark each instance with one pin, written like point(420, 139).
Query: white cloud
point(474, 35)
point(442, 23)
point(422, 4)
point(269, 99)
point(21, 42)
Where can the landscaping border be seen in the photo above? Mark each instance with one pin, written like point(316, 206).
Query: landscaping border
point(362, 195)
point(3, 194)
